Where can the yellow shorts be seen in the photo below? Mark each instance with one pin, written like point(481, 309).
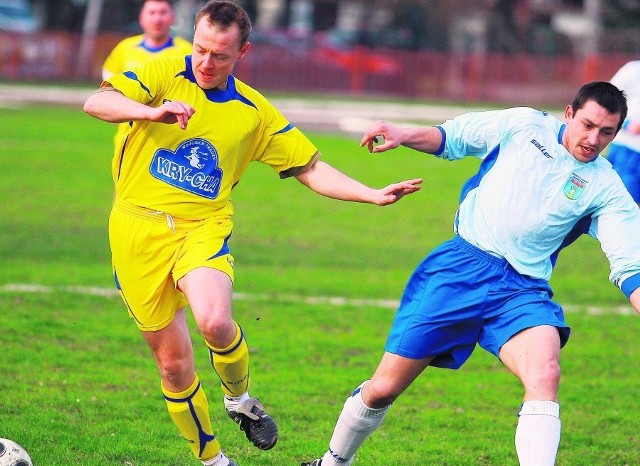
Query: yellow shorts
point(151, 251)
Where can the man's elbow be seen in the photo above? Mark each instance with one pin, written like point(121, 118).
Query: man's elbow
point(90, 106)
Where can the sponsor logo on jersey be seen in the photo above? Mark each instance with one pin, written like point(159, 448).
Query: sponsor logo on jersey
point(574, 187)
point(541, 148)
point(192, 167)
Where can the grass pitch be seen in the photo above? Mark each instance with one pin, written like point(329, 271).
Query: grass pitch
point(80, 387)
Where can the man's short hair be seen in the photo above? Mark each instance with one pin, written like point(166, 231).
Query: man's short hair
point(604, 94)
point(224, 14)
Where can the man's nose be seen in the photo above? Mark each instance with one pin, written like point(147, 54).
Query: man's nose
point(207, 61)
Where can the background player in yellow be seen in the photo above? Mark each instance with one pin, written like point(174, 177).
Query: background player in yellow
point(195, 128)
point(156, 18)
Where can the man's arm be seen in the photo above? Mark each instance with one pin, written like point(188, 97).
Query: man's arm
point(326, 180)
point(423, 139)
point(108, 104)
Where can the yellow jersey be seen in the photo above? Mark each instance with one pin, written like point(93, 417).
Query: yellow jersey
point(133, 52)
point(190, 173)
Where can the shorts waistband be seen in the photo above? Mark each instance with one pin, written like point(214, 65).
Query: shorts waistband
point(462, 243)
point(145, 213)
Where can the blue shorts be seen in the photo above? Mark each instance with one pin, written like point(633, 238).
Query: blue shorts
point(459, 296)
point(627, 163)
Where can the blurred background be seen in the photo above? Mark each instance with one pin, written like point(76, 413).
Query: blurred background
point(533, 52)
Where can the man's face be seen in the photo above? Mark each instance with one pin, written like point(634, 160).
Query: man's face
point(215, 52)
point(156, 19)
point(589, 130)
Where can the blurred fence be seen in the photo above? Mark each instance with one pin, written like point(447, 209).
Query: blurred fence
point(358, 71)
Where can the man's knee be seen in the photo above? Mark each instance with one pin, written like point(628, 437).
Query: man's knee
point(218, 329)
point(543, 379)
point(378, 393)
point(176, 368)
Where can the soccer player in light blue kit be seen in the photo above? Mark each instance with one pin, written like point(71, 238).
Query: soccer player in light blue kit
point(624, 151)
point(540, 185)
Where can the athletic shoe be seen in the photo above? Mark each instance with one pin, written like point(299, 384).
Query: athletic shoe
point(257, 425)
point(317, 462)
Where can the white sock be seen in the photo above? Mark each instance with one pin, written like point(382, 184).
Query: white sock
point(538, 433)
point(356, 422)
point(219, 460)
point(232, 402)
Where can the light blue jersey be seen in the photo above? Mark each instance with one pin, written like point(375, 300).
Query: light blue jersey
point(624, 151)
point(627, 79)
point(525, 164)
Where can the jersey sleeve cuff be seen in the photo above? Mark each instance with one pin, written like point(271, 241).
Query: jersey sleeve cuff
point(295, 171)
point(442, 143)
point(630, 285)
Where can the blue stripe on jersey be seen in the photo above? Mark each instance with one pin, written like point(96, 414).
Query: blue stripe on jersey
point(560, 133)
point(289, 127)
point(216, 95)
point(485, 166)
point(475, 180)
point(131, 75)
point(580, 228)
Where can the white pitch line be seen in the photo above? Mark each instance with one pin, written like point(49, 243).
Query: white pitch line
point(286, 298)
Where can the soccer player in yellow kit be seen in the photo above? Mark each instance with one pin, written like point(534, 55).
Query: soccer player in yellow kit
point(156, 41)
point(156, 18)
point(194, 129)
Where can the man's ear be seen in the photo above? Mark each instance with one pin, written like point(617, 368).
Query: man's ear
point(245, 49)
point(568, 113)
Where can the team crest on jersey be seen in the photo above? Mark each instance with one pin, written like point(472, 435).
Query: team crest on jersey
point(574, 187)
point(193, 167)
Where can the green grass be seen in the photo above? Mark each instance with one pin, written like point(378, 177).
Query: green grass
point(79, 386)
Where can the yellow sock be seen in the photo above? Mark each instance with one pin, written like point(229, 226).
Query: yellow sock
point(232, 364)
point(190, 412)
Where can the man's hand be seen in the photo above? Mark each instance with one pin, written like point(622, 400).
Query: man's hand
point(109, 104)
point(172, 112)
point(328, 181)
point(381, 137)
point(395, 192)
